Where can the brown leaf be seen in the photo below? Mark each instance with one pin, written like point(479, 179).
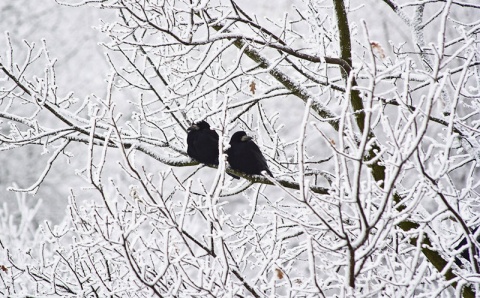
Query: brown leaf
point(378, 49)
point(279, 273)
point(3, 268)
point(252, 87)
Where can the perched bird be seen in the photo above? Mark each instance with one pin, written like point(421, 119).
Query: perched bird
point(245, 156)
point(203, 144)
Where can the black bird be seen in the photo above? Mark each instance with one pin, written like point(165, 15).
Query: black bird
point(203, 144)
point(245, 156)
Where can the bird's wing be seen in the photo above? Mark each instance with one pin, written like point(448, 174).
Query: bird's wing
point(257, 153)
point(206, 146)
point(259, 158)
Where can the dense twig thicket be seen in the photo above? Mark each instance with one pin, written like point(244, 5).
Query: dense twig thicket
point(373, 146)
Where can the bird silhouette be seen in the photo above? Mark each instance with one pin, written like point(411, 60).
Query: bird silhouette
point(245, 156)
point(203, 144)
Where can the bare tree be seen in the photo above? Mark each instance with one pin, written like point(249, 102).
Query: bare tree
point(374, 149)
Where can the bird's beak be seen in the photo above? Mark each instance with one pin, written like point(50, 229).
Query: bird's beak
point(193, 127)
point(246, 138)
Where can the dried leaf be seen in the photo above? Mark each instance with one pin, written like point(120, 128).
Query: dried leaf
point(3, 268)
point(252, 87)
point(279, 273)
point(378, 49)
